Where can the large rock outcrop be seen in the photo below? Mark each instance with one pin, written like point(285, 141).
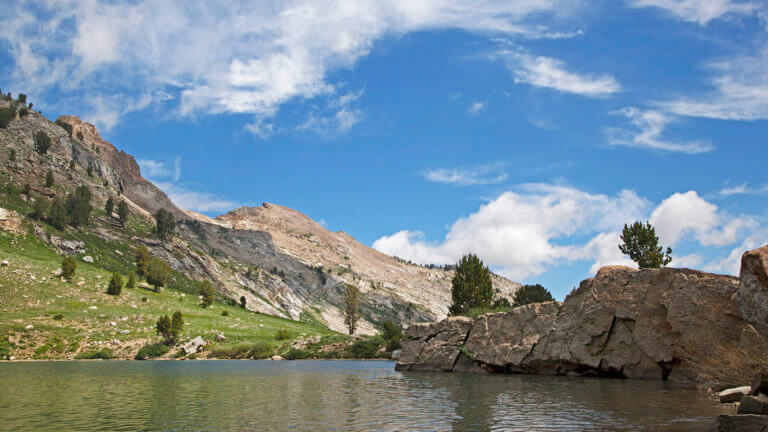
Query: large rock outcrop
point(624, 322)
point(753, 289)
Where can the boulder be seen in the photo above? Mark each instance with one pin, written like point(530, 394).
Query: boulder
point(70, 247)
point(759, 385)
point(57, 272)
point(88, 259)
point(276, 358)
point(624, 322)
point(754, 405)
point(433, 346)
point(193, 346)
point(739, 423)
point(396, 354)
point(753, 288)
point(4, 263)
point(220, 337)
point(732, 394)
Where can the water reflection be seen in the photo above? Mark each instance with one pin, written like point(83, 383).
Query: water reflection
point(327, 395)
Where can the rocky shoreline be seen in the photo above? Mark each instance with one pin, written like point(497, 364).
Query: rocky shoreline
point(624, 322)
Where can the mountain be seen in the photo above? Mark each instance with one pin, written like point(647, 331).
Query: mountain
point(282, 262)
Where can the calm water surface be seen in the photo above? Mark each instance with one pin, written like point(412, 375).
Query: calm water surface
point(328, 395)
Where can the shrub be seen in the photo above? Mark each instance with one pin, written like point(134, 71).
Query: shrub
point(242, 302)
point(501, 302)
point(42, 142)
point(393, 344)
point(102, 354)
point(39, 209)
point(206, 291)
point(131, 281)
point(109, 206)
point(144, 300)
point(257, 351)
point(142, 260)
point(177, 324)
point(122, 212)
point(80, 135)
point(23, 112)
point(169, 330)
point(12, 155)
point(6, 116)
point(283, 334)
point(66, 126)
point(26, 189)
point(71, 164)
point(528, 294)
point(225, 313)
point(89, 170)
point(49, 179)
point(115, 284)
point(391, 331)
point(58, 317)
point(297, 354)
point(151, 351)
point(157, 273)
point(365, 348)
point(68, 267)
point(21, 98)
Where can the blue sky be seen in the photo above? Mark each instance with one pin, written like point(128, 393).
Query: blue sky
point(528, 132)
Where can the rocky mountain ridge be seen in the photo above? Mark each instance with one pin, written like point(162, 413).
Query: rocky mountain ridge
point(281, 261)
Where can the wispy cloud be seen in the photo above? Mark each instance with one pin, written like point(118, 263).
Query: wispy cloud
point(483, 174)
point(743, 189)
point(647, 133)
point(194, 200)
point(475, 108)
point(338, 117)
point(549, 72)
point(155, 170)
point(698, 11)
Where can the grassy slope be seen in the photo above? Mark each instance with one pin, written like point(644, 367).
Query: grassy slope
point(25, 300)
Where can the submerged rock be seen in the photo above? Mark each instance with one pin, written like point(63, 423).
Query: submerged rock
point(739, 423)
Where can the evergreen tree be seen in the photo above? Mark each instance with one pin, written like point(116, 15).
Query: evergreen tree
point(42, 142)
point(164, 327)
point(79, 206)
point(528, 294)
point(39, 209)
point(68, 267)
point(115, 284)
point(158, 273)
point(206, 291)
point(142, 260)
point(57, 215)
point(351, 306)
point(177, 324)
point(471, 286)
point(242, 302)
point(26, 189)
point(166, 223)
point(641, 243)
point(109, 207)
point(131, 281)
point(49, 178)
point(122, 212)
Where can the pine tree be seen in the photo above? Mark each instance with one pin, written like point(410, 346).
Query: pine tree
point(142, 260)
point(49, 179)
point(68, 267)
point(471, 286)
point(131, 281)
point(122, 212)
point(641, 243)
point(109, 207)
point(115, 284)
point(206, 291)
point(351, 306)
point(158, 273)
point(57, 215)
point(528, 294)
point(166, 223)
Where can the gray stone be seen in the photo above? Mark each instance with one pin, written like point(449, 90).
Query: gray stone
point(739, 423)
point(733, 394)
point(88, 259)
point(396, 354)
point(276, 358)
point(754, 405)
point(220, 338)
point(4, 263)
point(67, 246)
point(753, 288)
point(433, 346)
point(193, 346)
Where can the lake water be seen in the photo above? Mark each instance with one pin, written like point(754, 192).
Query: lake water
point(328, 395)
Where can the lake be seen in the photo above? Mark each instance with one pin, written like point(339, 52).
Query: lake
point(329, 395)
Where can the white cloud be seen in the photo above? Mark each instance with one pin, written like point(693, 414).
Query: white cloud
point(521, 232)
point(735, 190)
point(483, 174)
point(739, 91)
point(698, 11)
point(548, 72)
point(338, 117)
point(688, 213)
point(525, 232)
point(475, 108)
point(196, 201)
point(155, 170)
point(256, 56)
point(649, 126)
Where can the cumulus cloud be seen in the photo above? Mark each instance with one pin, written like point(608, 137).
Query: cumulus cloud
point(475, 108)
point(548, 72)
point(529, 230)
point(257, 56)
point(649, 126)
point(482, 174)
point(698, 11)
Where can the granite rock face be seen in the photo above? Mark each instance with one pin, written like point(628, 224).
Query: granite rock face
point(753, 289)
point(624, 322)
